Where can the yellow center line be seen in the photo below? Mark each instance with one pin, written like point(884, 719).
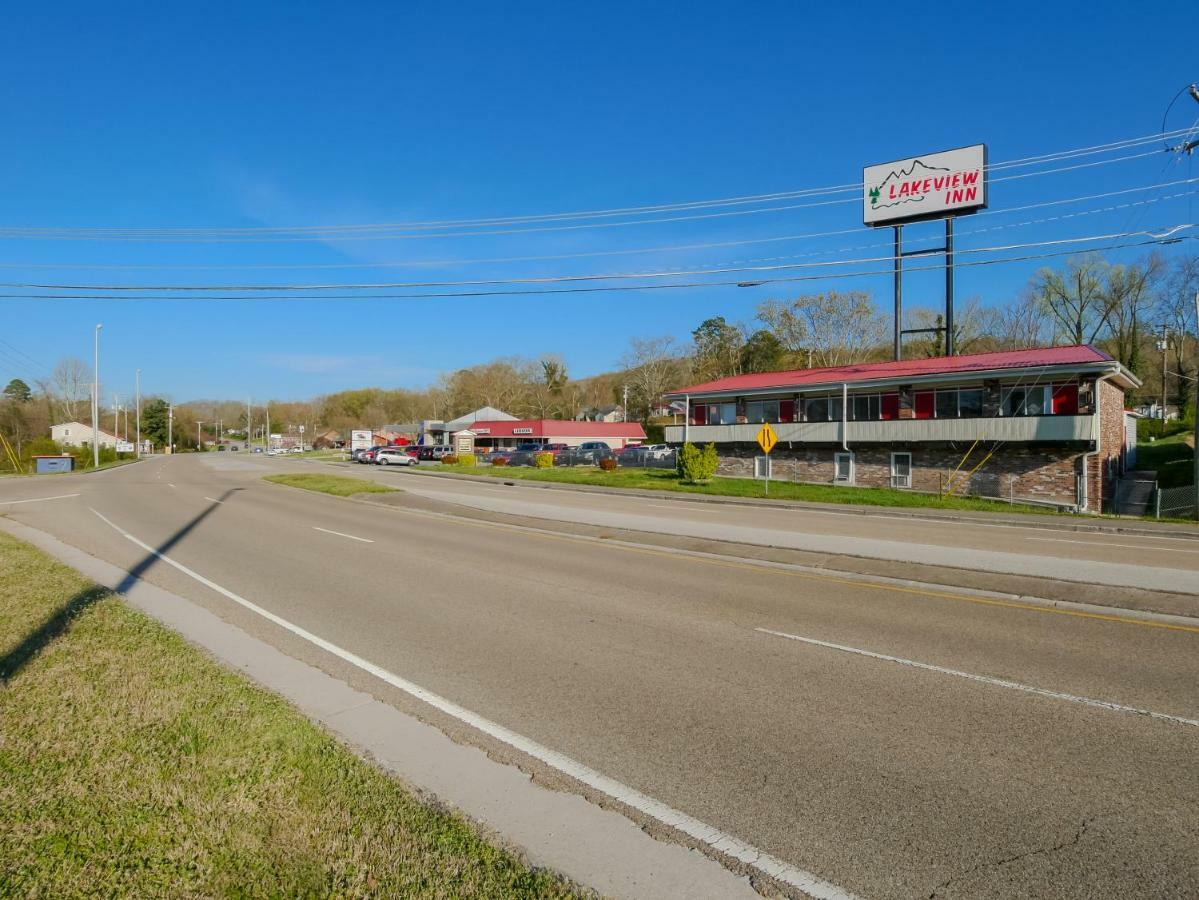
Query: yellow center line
point(812, 576)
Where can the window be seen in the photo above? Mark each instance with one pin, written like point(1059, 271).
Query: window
point(901, 470)
point(947, 404)
point(823, 409)
point(1030, 401)
point(1065, 399)
point(865, 407)
point(720, 414)
point(843, 468)
point(890, 406)
point(762, 411)
point(970, 403)
point(923, 404)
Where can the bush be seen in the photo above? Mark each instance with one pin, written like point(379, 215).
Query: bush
point(500, 461)
point(466, 459)
point(449, 460)
point(696, 466)
point(544, 460)
point(608, 464)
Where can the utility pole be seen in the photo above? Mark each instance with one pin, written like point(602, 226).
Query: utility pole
point(96, 403)
point(1195, 451)
point(138, 394)
point(266, 433)
point(624, 410)
point(1164, 345)
point(248, 424)
point(199, 446)
point(171, 429)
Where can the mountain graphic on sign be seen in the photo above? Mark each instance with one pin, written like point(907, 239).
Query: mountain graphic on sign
point(899, 175)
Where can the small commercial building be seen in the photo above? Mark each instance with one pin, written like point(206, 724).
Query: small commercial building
point(495, 434)
point(76, 434)
point(1045, 425)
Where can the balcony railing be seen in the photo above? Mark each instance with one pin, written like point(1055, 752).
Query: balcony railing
point(1015, 428)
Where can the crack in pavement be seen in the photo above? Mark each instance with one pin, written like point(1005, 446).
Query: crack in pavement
point(1063, 845)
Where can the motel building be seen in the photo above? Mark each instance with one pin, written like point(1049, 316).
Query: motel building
point(1042, 425)
point(501, 433)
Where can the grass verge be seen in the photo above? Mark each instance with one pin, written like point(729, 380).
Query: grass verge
point(337, 485)
point(132, 764)
point(1170, 457)
point(667, 480)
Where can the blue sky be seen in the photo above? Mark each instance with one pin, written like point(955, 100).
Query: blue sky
point(249, 115)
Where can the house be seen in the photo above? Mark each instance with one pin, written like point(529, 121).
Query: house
point(491, 434)
point(330, 438)
point(435, 431)
point(602, 414)
point(1044, 425)
point(76, 434)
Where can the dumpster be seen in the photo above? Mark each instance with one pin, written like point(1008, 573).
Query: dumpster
point(47, 464)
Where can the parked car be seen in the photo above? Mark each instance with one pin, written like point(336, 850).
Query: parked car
point(393, 456)
point(257, 449)
point(293, 449)
point(233, 447)
point(632, 455)
point(525, 454)
point(367, 456)
point(592, 452)
point(434, 451)
point(658, 451)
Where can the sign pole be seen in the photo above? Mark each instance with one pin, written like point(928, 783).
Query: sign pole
point(949, 349)
point(898, 267)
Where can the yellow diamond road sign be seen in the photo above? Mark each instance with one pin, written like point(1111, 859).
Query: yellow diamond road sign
point(767, 438)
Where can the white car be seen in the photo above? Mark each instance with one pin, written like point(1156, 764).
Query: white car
point(296, 450)
point(393, 456)
point(657, 451)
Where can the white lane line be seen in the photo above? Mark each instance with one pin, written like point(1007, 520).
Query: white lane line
point(986, 679)
point(213, 500)
point(170, 485)
point(36, 499)
point(1103, 545)
point(713, 837)
point(342, 534)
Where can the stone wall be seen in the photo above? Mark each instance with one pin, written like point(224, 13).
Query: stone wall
point(1030, 472)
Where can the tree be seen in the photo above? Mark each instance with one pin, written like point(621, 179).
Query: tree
point(72, 382)
point(973, 324)
point(1024, 324)
point(836, 328)
point(650, 368)
point(1128, 296)
point(762, 352)
point(18, 391)
point(155, 422)
point(717, 349)
point(1176, 308)
point(1075, 298)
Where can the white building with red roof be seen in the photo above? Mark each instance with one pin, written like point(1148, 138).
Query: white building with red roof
point(498, 433)
point(1043, 424)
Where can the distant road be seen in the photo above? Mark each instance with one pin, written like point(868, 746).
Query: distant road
point(885, 740)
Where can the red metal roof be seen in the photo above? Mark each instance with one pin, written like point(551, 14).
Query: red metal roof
point(543, 428)
point(1080, 354)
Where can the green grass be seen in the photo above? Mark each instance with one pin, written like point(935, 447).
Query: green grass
point(134, 766)
point(667, 480)
point(1171, 457)
point(337, 485)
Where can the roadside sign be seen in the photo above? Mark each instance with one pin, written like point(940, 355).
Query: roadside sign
point(124, 447)
point(767, 438)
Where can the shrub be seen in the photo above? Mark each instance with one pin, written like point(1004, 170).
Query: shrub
point(500, 461)
point(449, 460)
point(466, 459)
point(607, 464)
point(696, 466)
point(544, 460)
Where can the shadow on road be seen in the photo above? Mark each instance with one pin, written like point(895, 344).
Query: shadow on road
point(60, 620)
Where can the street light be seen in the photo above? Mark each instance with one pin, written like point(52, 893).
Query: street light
point(96, 402)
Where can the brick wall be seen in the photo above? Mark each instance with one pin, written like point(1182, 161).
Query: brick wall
point(1106, 466)
point(1035, 473)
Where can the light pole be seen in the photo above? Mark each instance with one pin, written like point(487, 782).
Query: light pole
point(96, 402)
point(171, 429)
point(138, 394)
point(198, 446)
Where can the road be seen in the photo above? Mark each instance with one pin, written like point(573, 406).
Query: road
point(888, 740)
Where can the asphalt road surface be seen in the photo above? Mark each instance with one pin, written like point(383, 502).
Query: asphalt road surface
point(890, 741)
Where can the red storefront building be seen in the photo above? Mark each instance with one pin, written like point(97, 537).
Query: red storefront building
point(1044, 425)
point(502, 433)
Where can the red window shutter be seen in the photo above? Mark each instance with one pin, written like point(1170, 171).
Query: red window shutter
point(890, 406)
point(1065, 399)
point(699, 415)
point(924, 405)
point(786, 410)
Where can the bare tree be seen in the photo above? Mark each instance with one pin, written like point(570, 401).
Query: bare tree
point(650, 367)
point(1176, 308)
point(836, 328)
point(782, 320)
point(1075, 297)
point(973, 325)
point(1024, 324)
point(1128, 296)
point(72, 384)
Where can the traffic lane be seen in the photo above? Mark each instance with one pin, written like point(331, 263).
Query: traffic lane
point(733, 740)
point(1150, 551)
point(1077, 653)
point(896, 547)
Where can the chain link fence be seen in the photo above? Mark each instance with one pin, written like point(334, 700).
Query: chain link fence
point(1176, 502)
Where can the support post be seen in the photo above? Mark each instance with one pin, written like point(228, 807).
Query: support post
point(949, 349)
point(898, 267)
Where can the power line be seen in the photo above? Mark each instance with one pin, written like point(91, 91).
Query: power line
point(537, 291)
point(270, 234)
